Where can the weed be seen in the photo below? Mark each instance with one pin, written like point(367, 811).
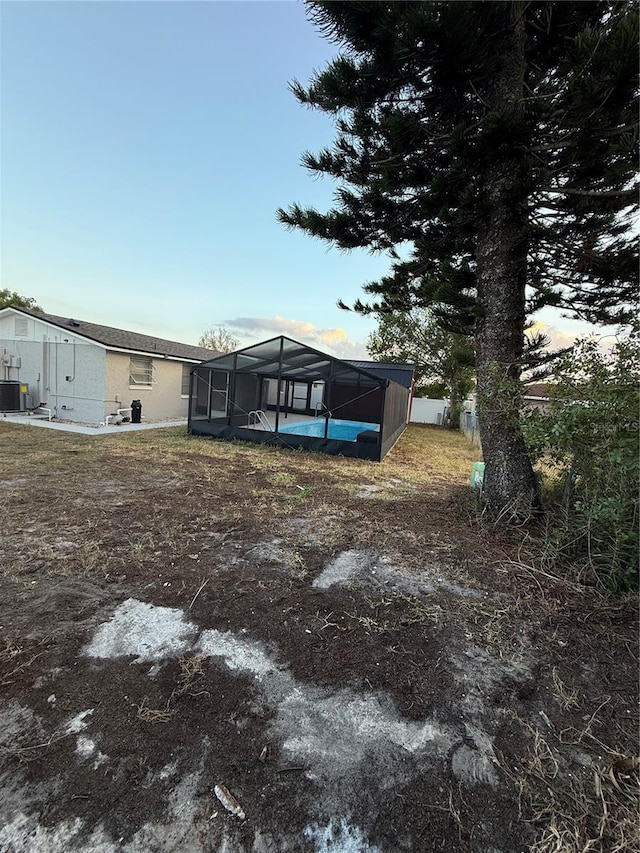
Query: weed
point(566, 697)
point(282, 478)
point(577, 811)
point(154, 715)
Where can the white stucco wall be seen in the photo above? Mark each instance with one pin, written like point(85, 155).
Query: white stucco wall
point(81, 380)
point(162, 401)
point(64, 371)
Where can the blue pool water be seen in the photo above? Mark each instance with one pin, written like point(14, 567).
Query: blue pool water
point(342, 430)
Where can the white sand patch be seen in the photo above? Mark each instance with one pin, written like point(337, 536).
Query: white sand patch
point(101, 759)
point(168, 770)
point(181, 828)
point(243, 655)
point(367, 566)
point(334, 734)
point(351, 565)
point(78, 723)
point(136, 628)
point(17, 721)
point(25, 835)
point(85, 747)
point(481, 674)
point(367, 492)
point(338, 836)
point(475, 765)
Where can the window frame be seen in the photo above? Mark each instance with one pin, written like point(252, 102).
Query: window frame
point(146, 371)
point(186, 378)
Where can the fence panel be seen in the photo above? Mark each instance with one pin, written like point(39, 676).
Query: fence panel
point(469, 426)
point(425, 411)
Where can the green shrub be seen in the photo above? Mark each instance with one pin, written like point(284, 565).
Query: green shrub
point(586, 443)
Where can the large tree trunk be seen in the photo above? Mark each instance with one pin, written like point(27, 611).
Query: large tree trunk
point(501, 255)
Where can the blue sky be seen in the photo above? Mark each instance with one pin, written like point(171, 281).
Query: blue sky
point(145, 149)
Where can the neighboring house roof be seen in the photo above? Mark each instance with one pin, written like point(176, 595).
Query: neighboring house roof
point(537, 391)
point(398, 371)
point(121, 339)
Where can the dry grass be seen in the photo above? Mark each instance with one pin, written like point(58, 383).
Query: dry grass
point(154, 715)
point(229, 492)
point(191, 671)
point(16, 656)
point(595, 811)
point(566, 697)
point(423, 455)
point(30, 752)
point(580, 793)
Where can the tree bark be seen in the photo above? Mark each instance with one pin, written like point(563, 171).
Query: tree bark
point(501, 255)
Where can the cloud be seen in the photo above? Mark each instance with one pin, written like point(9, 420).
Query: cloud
point(557, 338)
point(560, 338)
point(334, 341)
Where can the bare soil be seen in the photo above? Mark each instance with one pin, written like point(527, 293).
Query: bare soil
point(340, 652)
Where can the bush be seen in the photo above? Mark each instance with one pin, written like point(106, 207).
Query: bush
point(587, 446)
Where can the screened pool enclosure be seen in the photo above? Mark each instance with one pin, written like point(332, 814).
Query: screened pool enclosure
point(286, 393)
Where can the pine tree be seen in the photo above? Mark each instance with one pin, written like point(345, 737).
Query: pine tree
point(491, 149)
point(440, 357)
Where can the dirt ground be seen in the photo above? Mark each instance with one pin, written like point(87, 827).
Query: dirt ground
point(206, 646)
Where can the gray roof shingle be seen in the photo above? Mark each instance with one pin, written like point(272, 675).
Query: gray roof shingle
point(537, 390)
point(122, 339)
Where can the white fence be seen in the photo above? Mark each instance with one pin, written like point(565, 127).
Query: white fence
point(425, 411)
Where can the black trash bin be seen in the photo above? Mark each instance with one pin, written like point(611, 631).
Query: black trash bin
point(136, 411)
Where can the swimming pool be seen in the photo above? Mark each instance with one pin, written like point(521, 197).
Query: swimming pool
point(342, 430)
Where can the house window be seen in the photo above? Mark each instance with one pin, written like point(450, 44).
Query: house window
point(186, 380)
point(21, 329)
point(141, 371)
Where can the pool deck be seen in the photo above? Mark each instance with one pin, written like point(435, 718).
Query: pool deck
point(289, 419)
point(83, 429)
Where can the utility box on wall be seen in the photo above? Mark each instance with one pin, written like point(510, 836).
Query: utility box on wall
point(26, 399)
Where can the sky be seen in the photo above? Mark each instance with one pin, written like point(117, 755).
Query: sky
point(146, 147)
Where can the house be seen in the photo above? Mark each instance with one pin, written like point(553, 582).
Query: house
point(536, 395)
point(286, 393)
point(84, 372)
